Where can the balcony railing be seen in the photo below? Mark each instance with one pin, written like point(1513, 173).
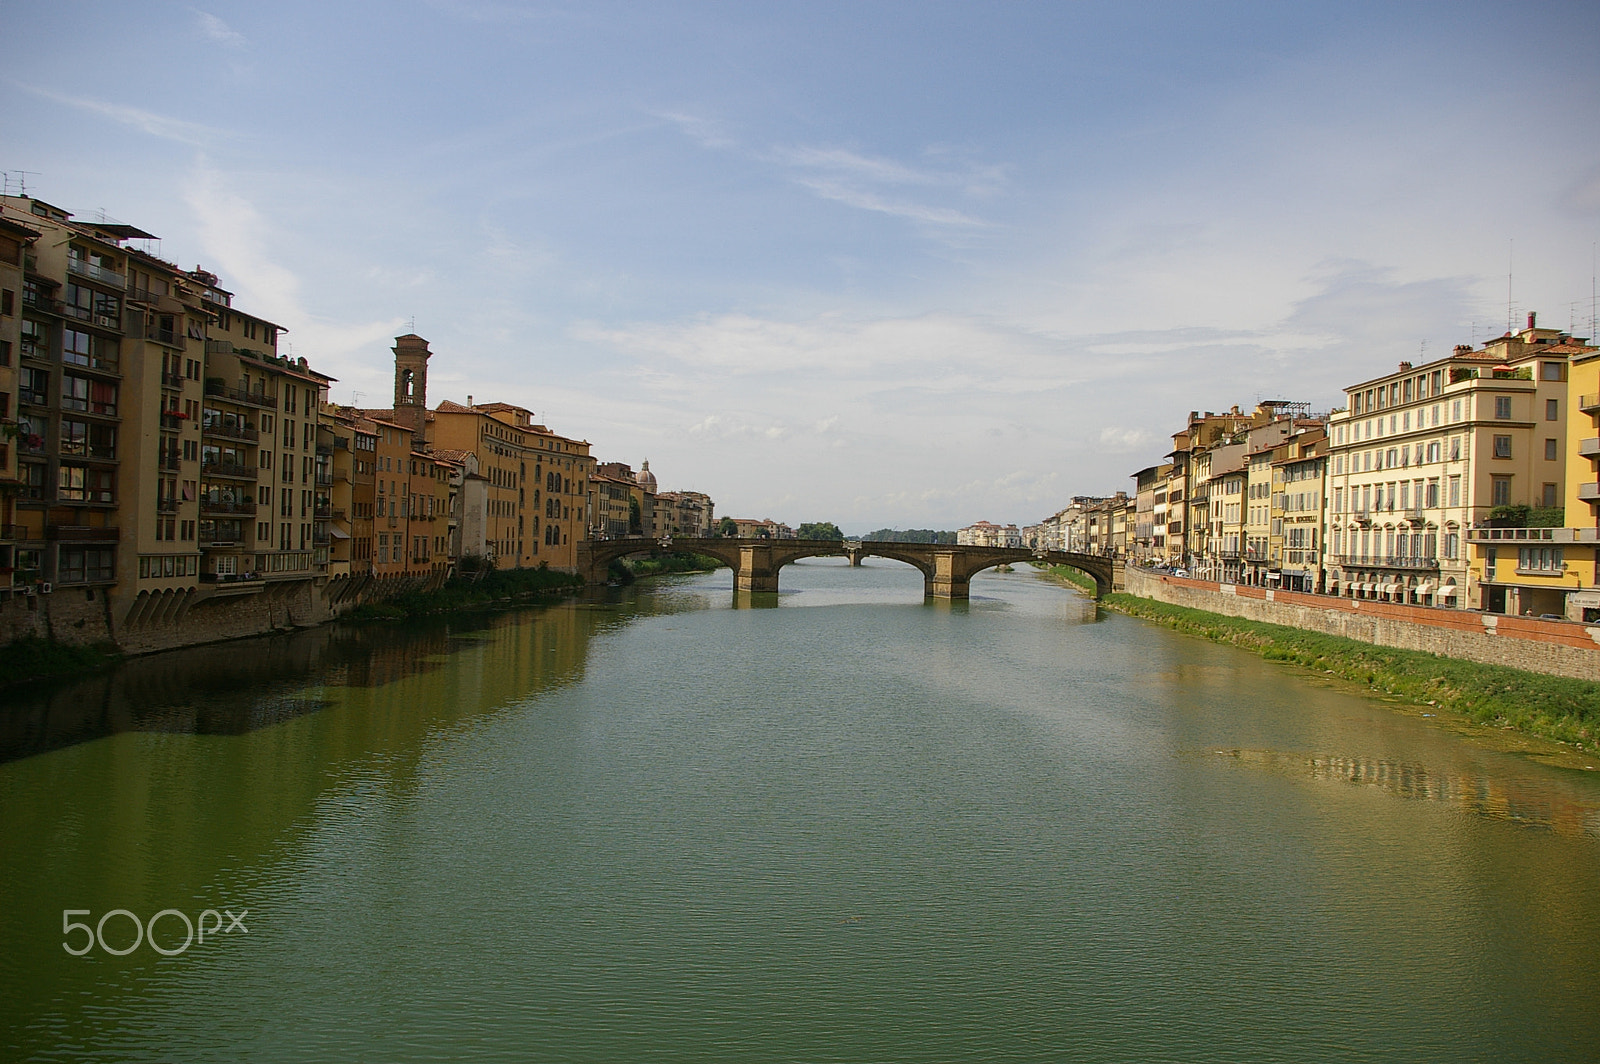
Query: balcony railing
point(229, 469)
point(173, 419)
point(1589, 448)
point(82, 534)
point(1387, 561)
point(1589, 492)
point(1589, 404)
point(320, 538)
point(85, 268)
point(211, 507)
point(232, 431)
point(166, 505)
point(324, 512)
point(239, 395)
point(172, 380)
point(324, 480)
point(169, 461)
point(1414, 514)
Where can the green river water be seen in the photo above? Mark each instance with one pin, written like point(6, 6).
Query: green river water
point(841, 825)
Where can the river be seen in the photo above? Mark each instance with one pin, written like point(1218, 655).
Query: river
point(841, 825)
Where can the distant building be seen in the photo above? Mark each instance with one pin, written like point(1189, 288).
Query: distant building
point(986, 534)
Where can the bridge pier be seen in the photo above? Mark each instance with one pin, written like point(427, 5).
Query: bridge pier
point(949, 578)
point(756, 571)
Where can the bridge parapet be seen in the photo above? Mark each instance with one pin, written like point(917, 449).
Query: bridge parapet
point(947, 569)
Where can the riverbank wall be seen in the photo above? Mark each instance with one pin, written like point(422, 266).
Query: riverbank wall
point(193, 616)
point(1556, 648)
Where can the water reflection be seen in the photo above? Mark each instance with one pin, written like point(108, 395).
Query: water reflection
point(244, 685)
point(1527, 802)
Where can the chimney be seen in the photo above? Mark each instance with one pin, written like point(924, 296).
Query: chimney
point(1404, 366)
point(1533, 318)
point(1463, 349)
point(469, 401)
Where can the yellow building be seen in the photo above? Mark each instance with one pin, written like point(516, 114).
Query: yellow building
point(1555, 571)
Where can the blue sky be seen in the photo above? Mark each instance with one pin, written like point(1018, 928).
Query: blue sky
point(912, 264)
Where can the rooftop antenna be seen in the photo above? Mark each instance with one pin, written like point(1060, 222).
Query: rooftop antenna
point(1511, 262)
point(355, 397)
point(22, 180)
point(412, 325)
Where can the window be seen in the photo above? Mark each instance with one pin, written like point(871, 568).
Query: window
point(1502, 446)
point(1433, 452)
point(35, 339)
point(1433, 493)
point(1502, 407)
point(1552, 371)
point(1455, 494)
point(1550, 450)
point(1455, 410)
point(1455, 448)
point(78, 565)
point(1500, 491)
point(1547, 496)
point(1539, 559)
point(1552, 410)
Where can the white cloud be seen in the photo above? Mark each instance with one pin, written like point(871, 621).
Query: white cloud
point(217, 30)
point(151, 122)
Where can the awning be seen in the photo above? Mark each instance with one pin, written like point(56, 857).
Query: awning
point(337, 533)
point(1425, 588)
point(1448, 591)
point(1369, 588)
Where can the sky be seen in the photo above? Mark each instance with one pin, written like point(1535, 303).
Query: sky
point(882, 264)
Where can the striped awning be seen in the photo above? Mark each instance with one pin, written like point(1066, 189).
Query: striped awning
point(1425, 588)
point(1448, 591)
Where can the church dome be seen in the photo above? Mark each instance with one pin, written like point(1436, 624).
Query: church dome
point(646, 479)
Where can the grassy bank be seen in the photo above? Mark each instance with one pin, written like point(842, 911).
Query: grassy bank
point(504, 585)
point(1551, 707)
point(1075, 577)
point(42, 659)
point(682, 562)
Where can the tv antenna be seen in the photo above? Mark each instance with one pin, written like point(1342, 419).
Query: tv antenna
point(355, 397)
point(22, 180)
point(1511, 263)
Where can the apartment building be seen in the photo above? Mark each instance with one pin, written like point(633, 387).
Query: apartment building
point(1422, 456)
point(14, 237)
point(623, 503)
point(1540, 566)
point(684, 513)
point(746, 528)
point(1296, 511)
point(988, 534)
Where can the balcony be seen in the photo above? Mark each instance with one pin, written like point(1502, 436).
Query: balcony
point(1589, 448)
point(324, 480)
point(1413, 514)
point(1589, 404)
point(1589, 492)
point(239, 395)
point(229, 469)
point(218, 508)
point(325, 449)
point(324, 512)
point(170, 337)
point(173, 420)
point(170, 462)
point(166, 505)
point(320, 539)
point(1390, 561)
point(172, 380)
point(84, 268)
point(234, 430)
point(82, 534)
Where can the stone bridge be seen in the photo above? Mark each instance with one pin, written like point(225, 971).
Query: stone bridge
point(946, 569)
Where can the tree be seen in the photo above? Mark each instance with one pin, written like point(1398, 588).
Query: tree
point(726, 527)
point(819, 530)
point(635, 517)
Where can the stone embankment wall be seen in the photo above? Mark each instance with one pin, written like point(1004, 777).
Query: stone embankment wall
point(1558, 648)
point(85, 616)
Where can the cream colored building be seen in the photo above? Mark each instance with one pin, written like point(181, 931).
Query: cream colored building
point(1422, 456)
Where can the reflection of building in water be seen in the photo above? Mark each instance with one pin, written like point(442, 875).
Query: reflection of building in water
point(1494, 799)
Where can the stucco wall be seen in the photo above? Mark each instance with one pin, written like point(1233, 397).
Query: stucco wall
point(1554, 647)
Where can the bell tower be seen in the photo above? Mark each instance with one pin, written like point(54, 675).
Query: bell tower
point(411, 382)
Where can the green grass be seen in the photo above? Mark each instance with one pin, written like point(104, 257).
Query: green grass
point(501, 585)
point(1551, 707)
point(1073, 576)
point(681, 562)
point(42, 659)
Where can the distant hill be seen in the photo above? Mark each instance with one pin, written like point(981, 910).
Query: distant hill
point(908, 535)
